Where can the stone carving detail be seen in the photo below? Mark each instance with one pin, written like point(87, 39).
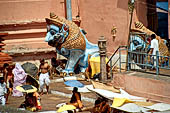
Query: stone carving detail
point(4, 57)
point(113, 32)
point(70, 41)
point(163, 49)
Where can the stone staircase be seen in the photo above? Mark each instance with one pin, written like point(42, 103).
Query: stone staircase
point(26, 39)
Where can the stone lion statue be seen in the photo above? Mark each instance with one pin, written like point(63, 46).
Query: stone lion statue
point(143, 44)
point(71, 42)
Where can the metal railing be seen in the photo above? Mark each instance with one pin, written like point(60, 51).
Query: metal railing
point(138, 56)
point(110, 61)
point(145, 61)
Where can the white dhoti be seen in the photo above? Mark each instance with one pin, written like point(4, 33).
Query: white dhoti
point(44, 79)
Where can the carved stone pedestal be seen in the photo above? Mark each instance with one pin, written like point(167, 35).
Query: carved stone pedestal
point(4, 58)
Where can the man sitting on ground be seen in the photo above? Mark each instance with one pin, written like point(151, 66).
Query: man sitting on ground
point(101, 106)
point(76, 99)
point(30, 102)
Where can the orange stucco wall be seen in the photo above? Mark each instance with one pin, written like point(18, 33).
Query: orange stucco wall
point(141, 11)
point(143, 85)
point(27, 10)
point(97, 16)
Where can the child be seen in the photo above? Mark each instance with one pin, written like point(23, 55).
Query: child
point(44, 76)
point(3, 91)
point(7, 74)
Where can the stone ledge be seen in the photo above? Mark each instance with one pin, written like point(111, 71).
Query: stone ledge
point(156, 90)
point(23, 51)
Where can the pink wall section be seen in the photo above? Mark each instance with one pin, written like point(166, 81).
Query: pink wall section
point(97, 16)
point(27, 10)
point(150, 88)
point(141, 10)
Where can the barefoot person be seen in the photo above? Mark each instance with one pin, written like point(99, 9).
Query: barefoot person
point(44, 76)
point(76, 99)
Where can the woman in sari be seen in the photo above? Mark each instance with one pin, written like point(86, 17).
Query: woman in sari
point(19, 79)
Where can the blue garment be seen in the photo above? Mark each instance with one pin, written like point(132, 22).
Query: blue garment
point(74, 83)
point(136, 43)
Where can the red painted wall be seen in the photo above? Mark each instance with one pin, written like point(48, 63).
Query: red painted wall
point(97, 16)
point(27, 10)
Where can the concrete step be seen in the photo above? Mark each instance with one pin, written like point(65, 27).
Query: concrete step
point(155, 88)
point(25, 34)
point(26, 41)
point(29, 43)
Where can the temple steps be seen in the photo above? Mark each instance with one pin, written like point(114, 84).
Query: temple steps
point(26, 40)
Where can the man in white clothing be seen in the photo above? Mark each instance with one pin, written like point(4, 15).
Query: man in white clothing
point(44, 76)
point(154, 47)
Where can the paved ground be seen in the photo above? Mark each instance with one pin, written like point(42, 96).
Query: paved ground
point(50, 101)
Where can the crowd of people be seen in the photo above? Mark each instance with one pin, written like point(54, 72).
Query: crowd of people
point(11, 78)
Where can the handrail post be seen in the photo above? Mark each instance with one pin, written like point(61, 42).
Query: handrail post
point(157, 63)
point(128, 60)
point(120, 59)
point(111, 73)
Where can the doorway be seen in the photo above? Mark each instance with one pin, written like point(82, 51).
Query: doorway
point(162, 13)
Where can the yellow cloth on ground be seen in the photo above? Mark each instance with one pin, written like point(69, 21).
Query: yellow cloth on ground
point(31, 90)
point(144, 103)
point(65, 108)
point(95, 65)
point(117, 102)
point(31, 109)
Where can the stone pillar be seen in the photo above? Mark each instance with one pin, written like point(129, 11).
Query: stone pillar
point(102, 51)
point(69, 10)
